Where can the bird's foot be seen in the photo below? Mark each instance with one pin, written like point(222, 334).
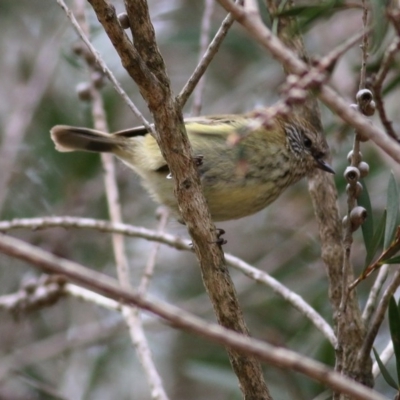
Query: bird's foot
point(198, 160)
point(220, 240)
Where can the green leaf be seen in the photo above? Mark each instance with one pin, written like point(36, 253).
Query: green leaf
point(398, 307)
point(394, 325)
point(394, 260)
point(385, 373)
point(307, 10)
point(368, 225)
point(376, 240)
point(392, 207)
point(381, 24)
point(307, 14)
point(392, 83)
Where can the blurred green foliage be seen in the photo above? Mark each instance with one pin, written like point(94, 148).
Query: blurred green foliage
point(282, 240)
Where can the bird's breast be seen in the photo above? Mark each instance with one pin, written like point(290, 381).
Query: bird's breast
point(241, 187)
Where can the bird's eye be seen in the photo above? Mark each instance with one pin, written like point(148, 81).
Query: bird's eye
point(307, 142)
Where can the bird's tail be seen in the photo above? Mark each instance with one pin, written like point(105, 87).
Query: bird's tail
point(70, 138)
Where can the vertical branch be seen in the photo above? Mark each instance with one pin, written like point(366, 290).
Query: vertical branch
point(205, 60)
point(145, 65)
point(349, 327)
point(363, 368)
point(26, 101)
point(131, 315)
point(378, 318)
point(364, 46)
point(163, 214)
point(204, 41)
point(388, 58)
point(102, 65)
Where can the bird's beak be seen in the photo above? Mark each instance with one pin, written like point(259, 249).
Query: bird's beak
point(322, 164)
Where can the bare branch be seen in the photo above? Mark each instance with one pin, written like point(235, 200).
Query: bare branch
point(89, 296)
point(28, 98)
point(378, 318)
point(257, 29)
point(293, 298)
point(364, 46)
point(385, 356)
point(163, 214)
point(144, 63)
point(34, 295)
point(104, 285)
point(205, 61)
point(388, 58)
point(132, 316)
point(179, 244)
point(204, 40)
point(60, 343)
point(104, 67)
point(372, 301)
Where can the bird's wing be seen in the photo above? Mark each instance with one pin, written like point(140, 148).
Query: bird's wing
point(219, 125)
point(222, 125)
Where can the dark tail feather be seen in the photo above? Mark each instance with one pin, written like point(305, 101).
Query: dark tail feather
point(69, 138)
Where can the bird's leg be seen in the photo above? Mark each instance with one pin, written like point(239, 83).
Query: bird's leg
point(220, 240)
point(198, 160)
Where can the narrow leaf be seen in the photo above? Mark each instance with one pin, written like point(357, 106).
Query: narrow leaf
point(376, 240)
point(398, 307)
point(382, 25)
point(391, 85)
point(368, 225)
point(394, 325)
point(394, 260)
point(392, 207)
point(307, 15)
point(385, 373)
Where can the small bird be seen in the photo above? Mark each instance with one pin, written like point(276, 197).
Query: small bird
point(237, 179)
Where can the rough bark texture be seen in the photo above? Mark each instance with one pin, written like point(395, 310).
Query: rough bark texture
point(145, 65)
point(349, 328)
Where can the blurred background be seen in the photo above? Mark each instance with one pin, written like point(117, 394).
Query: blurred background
point(84, 351)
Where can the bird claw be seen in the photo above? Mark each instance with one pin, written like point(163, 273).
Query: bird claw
point(198, 160)
point(220, 232)
point(220, 240)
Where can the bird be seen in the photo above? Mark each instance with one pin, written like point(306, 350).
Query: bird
point(237, 179)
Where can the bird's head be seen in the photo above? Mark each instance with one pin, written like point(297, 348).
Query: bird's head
point(308, 145)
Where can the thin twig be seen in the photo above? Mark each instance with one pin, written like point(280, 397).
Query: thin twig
point(39, 386)
point(347, 269)
point(60, 343)
point(131, 316)
point(256, 28)
point(83, 294)
point(104, 67)
point(151, 260)
point(204, 40)
point(99, 225)
point(371, 303)
point(276, 356)
point(34, 294)
point(364, 46)
point(385, 356)
point(384, 67)
point(378, 318)
point(28, 96)
point(293, 298)
point(144, 63)
point(328, 61)
point(179, 244)
point(205, 61)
